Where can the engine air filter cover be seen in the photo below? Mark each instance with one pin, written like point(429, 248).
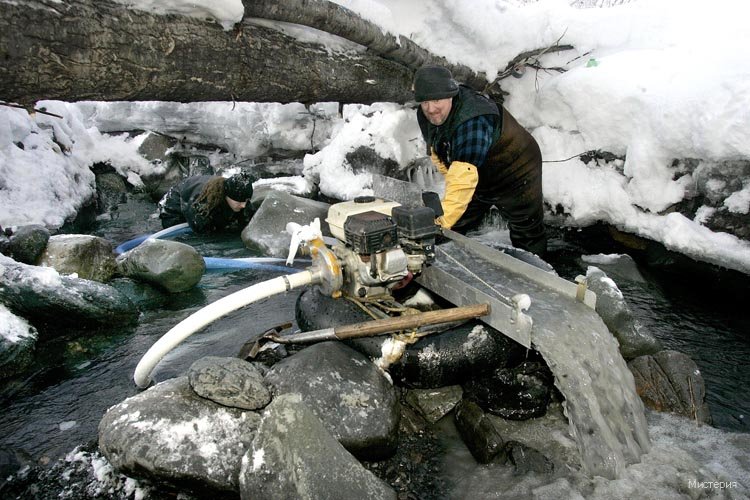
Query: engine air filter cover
point(370, 232)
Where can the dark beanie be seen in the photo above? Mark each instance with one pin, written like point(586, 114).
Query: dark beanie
point(239, 187)
point(434, 82)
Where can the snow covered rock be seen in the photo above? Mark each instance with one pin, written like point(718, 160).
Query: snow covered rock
point(267, 233)
point(17, 342)
point(169, 433)
point(347, 392)
point(294, 456)
point(43, 296)
point(230, 382)
point(614, 311)
point(89, 257)
point(170, 265)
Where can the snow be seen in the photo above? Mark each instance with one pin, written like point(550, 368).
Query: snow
point(14, 329)
point(649, 80)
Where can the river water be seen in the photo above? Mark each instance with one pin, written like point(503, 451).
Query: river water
point(58, 405)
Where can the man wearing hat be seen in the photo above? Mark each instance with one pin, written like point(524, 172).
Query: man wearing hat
point(487, 159)
point(209, 204)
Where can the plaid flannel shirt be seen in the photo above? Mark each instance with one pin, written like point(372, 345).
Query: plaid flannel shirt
point(472, 140)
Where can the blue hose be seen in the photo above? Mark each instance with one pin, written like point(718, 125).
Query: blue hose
point(212, 263)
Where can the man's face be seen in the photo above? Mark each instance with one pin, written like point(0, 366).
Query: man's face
point(437, 111)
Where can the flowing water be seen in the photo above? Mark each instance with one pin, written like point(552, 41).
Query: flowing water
point(58, 405)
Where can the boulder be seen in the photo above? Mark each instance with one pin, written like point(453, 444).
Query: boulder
point(170, 434)
point(517, 393)
point(477, 432)
point(89, 257)
point(170, 265)
point(266, 233)
point(616, 314)
point(347, 392)
point(44, 297)
point(17, 342)
point(27, 243)
point(230, 382)
point(434, 404)
point(295, 456)
point(669, 381)
point(111, 190)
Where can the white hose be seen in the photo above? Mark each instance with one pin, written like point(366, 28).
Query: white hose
point(211, 313)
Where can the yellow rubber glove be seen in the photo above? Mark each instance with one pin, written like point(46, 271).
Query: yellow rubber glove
point(460, 183)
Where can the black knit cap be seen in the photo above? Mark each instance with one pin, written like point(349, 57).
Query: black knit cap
point(239, 187)
point(434, 82)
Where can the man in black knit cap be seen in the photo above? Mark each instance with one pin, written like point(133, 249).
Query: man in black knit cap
point(487, 159)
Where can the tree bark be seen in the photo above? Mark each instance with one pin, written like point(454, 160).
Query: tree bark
point(99, 50)
point(333, 18)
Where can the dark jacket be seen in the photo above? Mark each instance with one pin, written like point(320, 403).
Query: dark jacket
point(179, 205)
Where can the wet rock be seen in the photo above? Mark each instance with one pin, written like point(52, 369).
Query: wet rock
point(27, 243)
point(669, 381)
point(170, 265)
point(229, 382)
point(17, 342)
point(145, 296)
point(477, 432)
point(434, 404)
point(526, 460)
point(170, 434)
point(295, 456)
point(347, 392)
point(437, 360)
point(516, 393)
point(615, 312)
point(44, 297)
point(266, 232)
point(89, 257)
point(111, 191)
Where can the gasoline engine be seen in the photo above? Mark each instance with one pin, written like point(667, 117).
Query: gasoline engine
point(384, 244)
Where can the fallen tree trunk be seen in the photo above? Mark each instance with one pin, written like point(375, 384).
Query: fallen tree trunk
point(332, 18)
point(99, 50)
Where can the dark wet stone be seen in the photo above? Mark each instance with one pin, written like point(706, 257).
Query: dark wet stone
point(27, 243)
point(484, 442)
point(171, 265)
point(89, 257)
point(229, 382)
point(347, 392)
point(526, 460)
point(517, 393)
point(168, 433)
point(669, 381)
point(434, 404)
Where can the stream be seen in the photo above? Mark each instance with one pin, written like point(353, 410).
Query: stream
point(57, 406)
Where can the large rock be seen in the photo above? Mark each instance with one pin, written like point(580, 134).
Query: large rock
point(90, 257)
point(230, 382)
point(170, 265)
point(616, 314)
point(347, 392)
point(670, 381)
point(17, 342)
point(266, 233)
point(27, 243)
point(294, 456)
point(477, 432)
point(43, 296)
point(168, 433)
